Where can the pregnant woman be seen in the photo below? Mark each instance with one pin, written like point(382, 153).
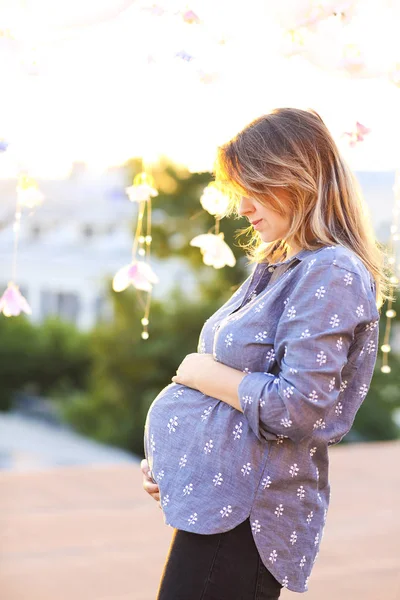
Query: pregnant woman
point(237, 445)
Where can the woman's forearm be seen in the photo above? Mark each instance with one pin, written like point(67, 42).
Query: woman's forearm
point(221, 382)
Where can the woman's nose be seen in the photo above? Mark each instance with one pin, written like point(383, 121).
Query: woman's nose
point(245, 206)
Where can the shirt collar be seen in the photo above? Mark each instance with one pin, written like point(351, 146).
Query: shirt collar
point(299, 256)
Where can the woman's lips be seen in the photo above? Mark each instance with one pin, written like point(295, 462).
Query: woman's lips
point(257, 223)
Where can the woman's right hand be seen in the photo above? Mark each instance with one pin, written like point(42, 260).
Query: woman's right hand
point(148, 485)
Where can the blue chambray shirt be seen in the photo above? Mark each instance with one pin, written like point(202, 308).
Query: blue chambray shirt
point(305, 331)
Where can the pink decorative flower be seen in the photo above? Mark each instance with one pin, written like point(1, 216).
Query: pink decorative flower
point(357, 135)
point(138, 273)
point(12, 302)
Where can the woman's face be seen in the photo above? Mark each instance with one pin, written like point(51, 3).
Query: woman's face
point(271, 225)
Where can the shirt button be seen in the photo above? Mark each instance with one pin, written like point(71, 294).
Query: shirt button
point(271, 269)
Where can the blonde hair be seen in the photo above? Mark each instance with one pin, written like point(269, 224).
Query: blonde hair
point(293, 149)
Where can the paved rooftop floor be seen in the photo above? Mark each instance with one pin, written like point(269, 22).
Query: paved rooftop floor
point(92, 533)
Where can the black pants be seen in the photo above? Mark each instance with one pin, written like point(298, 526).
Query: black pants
point(220, 566)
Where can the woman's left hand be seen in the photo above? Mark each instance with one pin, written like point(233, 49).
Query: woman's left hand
point(193, 369)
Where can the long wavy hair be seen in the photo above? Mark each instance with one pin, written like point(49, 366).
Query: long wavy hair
point(293, 149)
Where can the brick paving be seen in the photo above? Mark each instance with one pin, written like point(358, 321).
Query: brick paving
point(92, 533)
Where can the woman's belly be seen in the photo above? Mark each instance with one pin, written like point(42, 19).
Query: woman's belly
point(195, 443)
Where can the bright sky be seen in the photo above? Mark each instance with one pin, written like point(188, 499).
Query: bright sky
point(98, 80)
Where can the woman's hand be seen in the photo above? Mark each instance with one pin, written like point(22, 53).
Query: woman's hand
point(193, 370)
point(149, 486)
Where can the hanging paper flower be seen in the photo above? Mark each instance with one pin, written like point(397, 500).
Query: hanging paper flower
point(184, 55)
point(190, 17)
point(142, 189)
point(138, 273)
point(213, 200)
point(3, 145)
point(12, 302)
point(216, 253)
point(28, 192)
point(141, 192)
point(357, 135)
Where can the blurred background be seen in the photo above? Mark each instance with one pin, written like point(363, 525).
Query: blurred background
point(94, 94)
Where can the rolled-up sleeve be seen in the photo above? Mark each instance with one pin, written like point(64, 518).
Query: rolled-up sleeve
point(313, 337)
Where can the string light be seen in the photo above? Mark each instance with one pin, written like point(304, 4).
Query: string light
point(393, 280)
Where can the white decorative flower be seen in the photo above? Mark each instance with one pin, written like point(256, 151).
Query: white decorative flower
point(334, 322)
point(206, 413)
point(188, 489)
point(216, 253)
point(246, 469)
point(291, 313)
point(273, 556)
point(279, 510)
point(313, 396)
point(261, 401)
point(182, 461)
point(339, 344)
point(247, 399)
point(207, 448)
point(303, 561)
point(316, 540)
point(285, 582)
point(313, 451)
point(160, 475)
point(286, 422)
point(370, 347)
point(280, 438)
point(218, 479)
point(256, 527)
point(305, 333)
point(266, 482)
point(138, 273)
point(193, 518)
point(301, 492)
point(292, 370)
point(152, 442)
point(270, 356)
point(372, 325)
point(141, 192)
point(293, 538)
point(172, 424)
point(360, 310)
point(228, 339)
point(321, 358)
point(343, 385)
point(289, 391)
point(320, 293)
point(363, 390)
point(310, 516)
point(286, 301)
point(332, 384)
point(261, 336)
point(165, 500)
point(178, 393)
point(338, 408)
point(213, 200)
point(294, 469)
point(259, 307)
point(225, 512)
point(237, 431)
point(320, 424)
point(348, 279)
